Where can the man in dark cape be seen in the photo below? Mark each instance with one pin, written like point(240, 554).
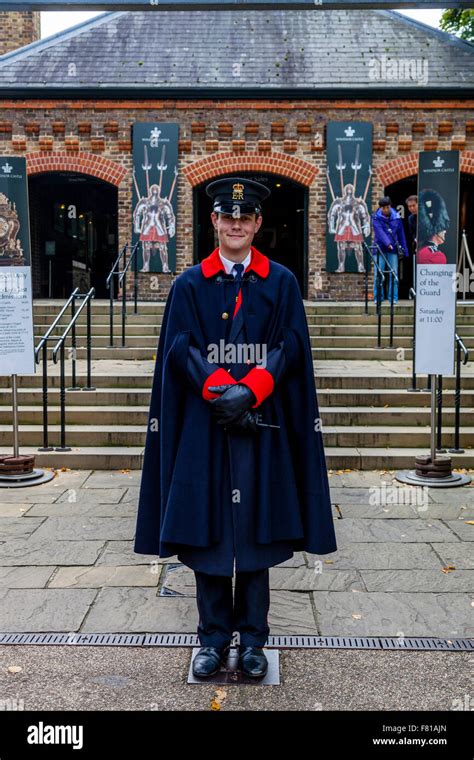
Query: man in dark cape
point(234, 474)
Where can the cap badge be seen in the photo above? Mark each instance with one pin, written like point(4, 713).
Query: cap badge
point(237, 192)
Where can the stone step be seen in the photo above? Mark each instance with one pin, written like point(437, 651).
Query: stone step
point(334, 435)
point(101, 306)
point(317, 341)
point(42, 322)
point(337, 457)
point(131, 398)
point(103, 414)
point(388, 436)
point(379, 416)
point(359, 353)
point(137, 378)
point(86, 457)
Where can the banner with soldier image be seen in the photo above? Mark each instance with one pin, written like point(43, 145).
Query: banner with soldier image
point(155, 172)
point(436, 254)
point(16, 298)
point(348, 194)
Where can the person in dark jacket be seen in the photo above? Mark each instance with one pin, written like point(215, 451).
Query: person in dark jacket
point(390, 238)
point(234, 474)
point(412, 206)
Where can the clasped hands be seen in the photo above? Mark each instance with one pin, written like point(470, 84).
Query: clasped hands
point(232, 408)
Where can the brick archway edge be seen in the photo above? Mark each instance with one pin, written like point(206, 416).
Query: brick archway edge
point(405, 166)
point(84, 163)
point(269, 163)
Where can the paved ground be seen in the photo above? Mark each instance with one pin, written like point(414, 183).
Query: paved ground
point(155, 678)
point(404, 565)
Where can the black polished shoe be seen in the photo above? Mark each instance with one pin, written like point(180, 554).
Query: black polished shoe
point(252, 661)
point(209, 659)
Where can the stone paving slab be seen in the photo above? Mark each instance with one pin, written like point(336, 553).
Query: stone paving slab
point(104, 575)
point(84, 507)
point(121, 553)
point(86, 528)
point(32, 576)
point(394, 614)
point(380, 555)
point(421, 580)
point(404, 562)
point(362, 530)
point(42, 610)
point(19, 527)
point(461, 555)
point(30, 552)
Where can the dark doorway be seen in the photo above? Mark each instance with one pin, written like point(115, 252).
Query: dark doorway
point(283, 234)
point(73, 219)
point(400, 190)
point(398, 193)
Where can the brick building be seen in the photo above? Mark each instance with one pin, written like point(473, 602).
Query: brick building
point(252, 93)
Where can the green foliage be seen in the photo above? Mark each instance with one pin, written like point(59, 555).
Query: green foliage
point(459, 22)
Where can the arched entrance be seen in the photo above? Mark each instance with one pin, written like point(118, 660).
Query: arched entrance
point(399, 192)
point(74, 232)
point(283, 234)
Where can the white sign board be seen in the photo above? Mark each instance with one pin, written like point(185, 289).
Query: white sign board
point(16, 298)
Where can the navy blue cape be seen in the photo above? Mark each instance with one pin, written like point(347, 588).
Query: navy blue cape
point(180, 489)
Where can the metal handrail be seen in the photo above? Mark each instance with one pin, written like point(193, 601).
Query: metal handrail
point(43, 346)
point(45, 337)
point(122, 279)
point(87, 298)
point(464, 254)
point(380, 274)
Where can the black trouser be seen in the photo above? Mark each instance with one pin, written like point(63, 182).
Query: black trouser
point(220, 616)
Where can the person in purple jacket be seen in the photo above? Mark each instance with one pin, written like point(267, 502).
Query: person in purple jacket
point(390, 237)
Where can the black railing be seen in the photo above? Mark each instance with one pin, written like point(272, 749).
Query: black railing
point(42, 347)
point(374, 253)
point(122, 281)
point(457, 394)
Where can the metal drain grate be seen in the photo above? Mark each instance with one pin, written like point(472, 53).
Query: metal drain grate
point(279, 642)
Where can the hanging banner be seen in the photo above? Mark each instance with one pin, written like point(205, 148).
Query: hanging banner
point(436, 253)
point(348, 194)
point(16, 298)
point(155, 172)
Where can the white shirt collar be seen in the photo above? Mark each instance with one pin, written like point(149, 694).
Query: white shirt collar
point(229, 264)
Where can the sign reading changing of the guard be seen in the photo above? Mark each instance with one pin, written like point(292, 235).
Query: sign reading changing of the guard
point(16, 301)
point(436, 252)
point(246, 5)
point(155, 174)
point(348, 194)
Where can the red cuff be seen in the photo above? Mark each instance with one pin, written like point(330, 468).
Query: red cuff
point(218, 377)
point(260, 381)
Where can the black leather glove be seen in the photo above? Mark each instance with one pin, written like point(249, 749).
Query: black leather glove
point(233, 402)
point(245, 425)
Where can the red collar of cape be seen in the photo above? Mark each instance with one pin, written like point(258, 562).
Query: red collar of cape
point(259, 263)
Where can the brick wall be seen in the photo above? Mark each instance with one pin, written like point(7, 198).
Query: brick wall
point(225, 136)
point(18, 29)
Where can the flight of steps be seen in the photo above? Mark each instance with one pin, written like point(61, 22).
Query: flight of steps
point(370, 420)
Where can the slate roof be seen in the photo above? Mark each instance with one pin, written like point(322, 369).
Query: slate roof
point(216, 51)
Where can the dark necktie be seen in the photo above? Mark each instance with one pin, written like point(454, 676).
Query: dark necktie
point(239, 268)
point(237, 321)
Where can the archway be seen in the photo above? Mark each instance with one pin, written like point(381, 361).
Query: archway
point(399, 191)
point(74, 232)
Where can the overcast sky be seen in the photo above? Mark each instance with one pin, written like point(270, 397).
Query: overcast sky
point(55, 21)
